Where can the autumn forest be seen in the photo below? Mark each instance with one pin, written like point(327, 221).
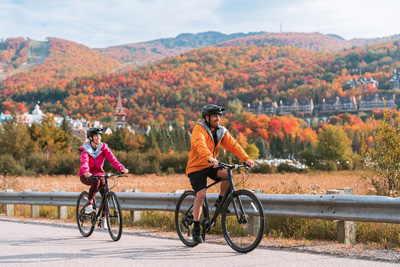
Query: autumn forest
point(73, 80)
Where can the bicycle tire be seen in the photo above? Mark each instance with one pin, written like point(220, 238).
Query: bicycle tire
point(184, 218)
point(83, 220)
point(246, 235)
point(114, 216)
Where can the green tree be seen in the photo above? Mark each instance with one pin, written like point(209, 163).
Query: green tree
point(383, 157)
point(235, 106)
point(263, 148)
point(50, 138)
point(334, 145)
point(115, 141)
point(15, 139)
point(252, 151)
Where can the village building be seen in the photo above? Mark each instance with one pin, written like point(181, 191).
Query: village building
point(299, 106)
point(262, 107)
point(394, 83)
point(119, 115)
point(363, 82)
point(338, 105)
point(377, 102)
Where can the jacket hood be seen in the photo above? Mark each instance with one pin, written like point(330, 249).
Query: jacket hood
point(88, 149)
point(221, 131)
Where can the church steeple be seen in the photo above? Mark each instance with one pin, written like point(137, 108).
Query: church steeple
point(119, 115)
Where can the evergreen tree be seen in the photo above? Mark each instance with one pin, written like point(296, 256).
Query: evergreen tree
point(262, 147)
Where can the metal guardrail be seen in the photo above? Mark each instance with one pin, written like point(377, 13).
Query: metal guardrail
point(330, 207)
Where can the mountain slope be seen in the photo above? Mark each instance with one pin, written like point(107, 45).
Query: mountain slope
point(147, 52)
point(309, 41)
point(176, 88)
point(50, 64)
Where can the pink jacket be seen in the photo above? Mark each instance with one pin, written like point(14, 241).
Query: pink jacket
point(93, 161)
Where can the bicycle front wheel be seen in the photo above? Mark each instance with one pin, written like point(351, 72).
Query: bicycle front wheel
point(243, 228)
point(84, 221)
point(184, 218)
point(114, 216)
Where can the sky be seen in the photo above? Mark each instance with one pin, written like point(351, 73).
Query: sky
point(105, 23)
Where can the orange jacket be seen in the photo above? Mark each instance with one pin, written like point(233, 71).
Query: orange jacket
point(203, 148)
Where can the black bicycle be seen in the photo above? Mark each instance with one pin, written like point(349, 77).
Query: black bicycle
point(109, 203)
point(242, 216)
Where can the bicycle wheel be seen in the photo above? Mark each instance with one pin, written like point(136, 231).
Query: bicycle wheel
point(184, 218)
point(84, 221)
point(114, 216)
point(245, 234)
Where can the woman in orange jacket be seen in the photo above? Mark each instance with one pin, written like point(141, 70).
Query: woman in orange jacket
point(207, 137)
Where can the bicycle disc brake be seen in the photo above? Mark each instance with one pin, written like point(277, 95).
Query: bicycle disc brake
point(244, 220)
point(207, 226)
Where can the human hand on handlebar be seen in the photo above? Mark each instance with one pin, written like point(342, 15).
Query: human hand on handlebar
point(87, 174)
point(250, 163)
point(125, 171)
point(214, 162)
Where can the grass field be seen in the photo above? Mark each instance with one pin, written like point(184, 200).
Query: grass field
point(288, 183)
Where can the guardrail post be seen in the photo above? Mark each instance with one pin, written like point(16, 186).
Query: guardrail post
point(9, 207)
point(62, 211)
point(346, 229)
point(255, 221)
point(135, 215)
point(34, 208)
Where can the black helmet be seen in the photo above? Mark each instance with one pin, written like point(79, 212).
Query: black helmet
point(211, 109)
point(94, 130)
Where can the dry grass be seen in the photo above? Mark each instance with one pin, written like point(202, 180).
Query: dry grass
point(288, 183)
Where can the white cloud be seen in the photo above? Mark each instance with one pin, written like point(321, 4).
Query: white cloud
point(104, 23)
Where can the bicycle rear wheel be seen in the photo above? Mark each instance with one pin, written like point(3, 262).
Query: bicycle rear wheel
point(84, 221)
point(184, 218)
point(114, 216)
point(245, 234)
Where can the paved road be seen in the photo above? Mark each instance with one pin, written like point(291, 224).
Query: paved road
point(45, 244)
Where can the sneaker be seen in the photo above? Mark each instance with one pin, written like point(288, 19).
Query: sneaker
point(103, 223)
point(196, 236)
point(89, 209)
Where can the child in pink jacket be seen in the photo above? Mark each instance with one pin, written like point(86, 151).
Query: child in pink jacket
point(93, 154)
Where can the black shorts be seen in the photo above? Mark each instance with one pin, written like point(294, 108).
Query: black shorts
point(198, 179)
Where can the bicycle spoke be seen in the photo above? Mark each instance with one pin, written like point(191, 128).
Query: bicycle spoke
point(84, 221)
point(184, 218)
point(114, 216)
point(243, 231)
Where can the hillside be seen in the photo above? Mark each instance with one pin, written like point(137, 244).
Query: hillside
point(29, 66)
point(153, 51)
point(309, 41)
point(359, 42)
point(78, 81)
point(175, 89)
point(19, 55)
point(156, 50)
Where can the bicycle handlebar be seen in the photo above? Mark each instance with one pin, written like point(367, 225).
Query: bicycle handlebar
point(109, 175)
point(232, 166)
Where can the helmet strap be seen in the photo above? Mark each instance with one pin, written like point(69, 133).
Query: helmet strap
point(208, 122)
point(92, 143)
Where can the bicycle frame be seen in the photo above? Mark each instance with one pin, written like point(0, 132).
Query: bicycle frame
point(229, 192)
point(103, 198)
